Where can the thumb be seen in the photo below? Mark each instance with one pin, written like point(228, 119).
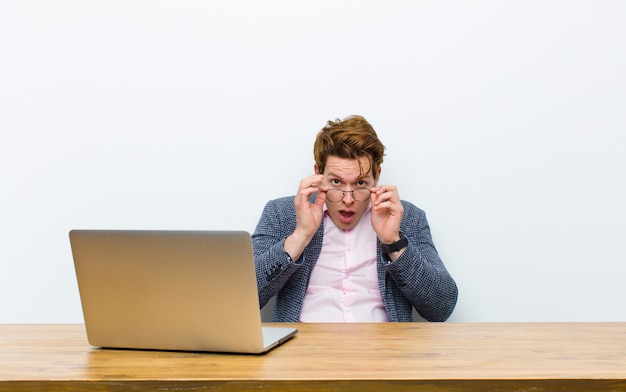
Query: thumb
point(320, 198)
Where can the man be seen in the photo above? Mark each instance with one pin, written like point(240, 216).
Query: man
point(346, 249)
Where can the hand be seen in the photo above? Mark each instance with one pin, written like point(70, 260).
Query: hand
point(387, 212)
point(308, 215)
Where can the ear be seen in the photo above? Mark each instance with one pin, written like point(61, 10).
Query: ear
point(378, 175)
point(315, 169)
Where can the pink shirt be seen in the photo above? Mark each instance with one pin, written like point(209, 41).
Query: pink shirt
point(343, 286)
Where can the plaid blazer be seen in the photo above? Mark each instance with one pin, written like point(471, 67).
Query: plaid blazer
point(418, 279)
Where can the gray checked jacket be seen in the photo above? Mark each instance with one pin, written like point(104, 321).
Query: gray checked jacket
point(418, 279)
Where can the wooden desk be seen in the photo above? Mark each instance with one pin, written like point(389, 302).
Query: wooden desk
point(325, 357)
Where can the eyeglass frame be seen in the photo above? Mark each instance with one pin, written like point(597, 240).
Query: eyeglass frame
point(343, 194)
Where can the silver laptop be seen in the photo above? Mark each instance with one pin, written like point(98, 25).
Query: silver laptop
point(171, 290)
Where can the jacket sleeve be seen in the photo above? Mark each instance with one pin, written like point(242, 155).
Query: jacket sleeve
point(272, 263)
point(419, 272)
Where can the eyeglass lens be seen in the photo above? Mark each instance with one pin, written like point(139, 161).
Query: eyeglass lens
point(336, 195)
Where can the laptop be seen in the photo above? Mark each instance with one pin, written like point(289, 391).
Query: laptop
point(171, 290)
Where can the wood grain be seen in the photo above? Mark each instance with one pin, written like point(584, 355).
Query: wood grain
point(365, 357)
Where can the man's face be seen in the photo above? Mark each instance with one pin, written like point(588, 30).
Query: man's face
point(345, 174)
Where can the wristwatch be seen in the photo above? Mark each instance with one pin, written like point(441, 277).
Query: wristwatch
point(396, 246)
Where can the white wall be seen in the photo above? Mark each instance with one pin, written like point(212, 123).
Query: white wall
point(504, 120)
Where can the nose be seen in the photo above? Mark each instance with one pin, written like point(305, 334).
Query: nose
point(348, 197)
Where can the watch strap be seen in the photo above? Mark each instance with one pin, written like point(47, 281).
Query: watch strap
point(395, 246)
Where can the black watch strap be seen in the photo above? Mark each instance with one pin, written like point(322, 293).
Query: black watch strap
point(396, 246)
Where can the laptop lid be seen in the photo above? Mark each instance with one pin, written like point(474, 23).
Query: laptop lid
point(171, 290)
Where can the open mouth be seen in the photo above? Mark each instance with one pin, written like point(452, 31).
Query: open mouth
point(346, 216)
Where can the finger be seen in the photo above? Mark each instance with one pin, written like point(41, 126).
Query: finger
point(321, 198)
point(381, 197)
point(310, 182)
point(314, 181)
point(386, 202)
point(387, 194)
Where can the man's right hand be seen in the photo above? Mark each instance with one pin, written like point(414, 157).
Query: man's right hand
point(308, 215)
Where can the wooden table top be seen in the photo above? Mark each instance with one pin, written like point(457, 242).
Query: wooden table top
point(377, 356)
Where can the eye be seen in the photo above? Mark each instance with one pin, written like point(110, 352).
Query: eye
point(362, 183)
point(336, 182)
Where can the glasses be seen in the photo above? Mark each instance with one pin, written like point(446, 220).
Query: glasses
point(337, 195)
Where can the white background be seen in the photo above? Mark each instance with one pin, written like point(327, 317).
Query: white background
point(504, 120)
